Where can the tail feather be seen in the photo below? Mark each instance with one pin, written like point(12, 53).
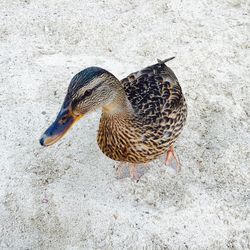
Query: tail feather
point(166, 60)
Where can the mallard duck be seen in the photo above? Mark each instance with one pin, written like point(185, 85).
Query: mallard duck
point(142, 115)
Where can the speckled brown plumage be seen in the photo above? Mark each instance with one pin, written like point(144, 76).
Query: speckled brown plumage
point(158, 114)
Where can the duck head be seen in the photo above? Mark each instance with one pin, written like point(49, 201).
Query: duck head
point(88, 90)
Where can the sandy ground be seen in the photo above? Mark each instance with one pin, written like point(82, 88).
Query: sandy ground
point(67, 196)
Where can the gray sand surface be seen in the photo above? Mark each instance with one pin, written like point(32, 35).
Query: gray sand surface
point(67, 196)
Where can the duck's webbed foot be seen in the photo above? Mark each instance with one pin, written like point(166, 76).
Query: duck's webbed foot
point(171, 154)
point(125, 169)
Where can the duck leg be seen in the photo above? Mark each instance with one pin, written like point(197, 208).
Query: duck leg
point(133, 172)
point(120, 170)
point(171, 153)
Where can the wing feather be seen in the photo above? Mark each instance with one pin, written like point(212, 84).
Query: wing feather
point(153, 92)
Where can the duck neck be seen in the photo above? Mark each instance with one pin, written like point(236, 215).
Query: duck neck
point(120, 104)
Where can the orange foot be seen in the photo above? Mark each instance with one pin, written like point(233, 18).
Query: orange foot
point(171, 154)
point(119, 170)
point(132, 170)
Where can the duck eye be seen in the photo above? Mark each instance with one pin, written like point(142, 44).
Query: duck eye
point(87, 92)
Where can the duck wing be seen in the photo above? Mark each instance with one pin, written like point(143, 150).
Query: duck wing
point(154, 93)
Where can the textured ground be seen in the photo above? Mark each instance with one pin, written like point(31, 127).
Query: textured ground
point(67, 196)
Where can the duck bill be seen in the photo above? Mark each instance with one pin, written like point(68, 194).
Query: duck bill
point(64, 121)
